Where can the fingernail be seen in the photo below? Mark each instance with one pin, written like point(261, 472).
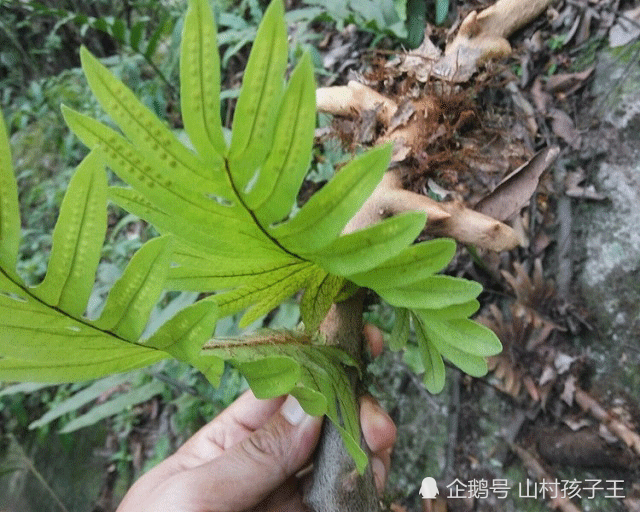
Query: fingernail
point(379, 472)
point(292, 411)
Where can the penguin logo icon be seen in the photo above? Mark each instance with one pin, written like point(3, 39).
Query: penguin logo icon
point(428, 489)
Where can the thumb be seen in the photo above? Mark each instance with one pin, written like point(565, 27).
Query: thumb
point(246, 473)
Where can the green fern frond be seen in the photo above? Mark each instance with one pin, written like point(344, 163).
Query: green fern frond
point(228, 224)
point(278, 363)
point(44, 335)
point(230, 213)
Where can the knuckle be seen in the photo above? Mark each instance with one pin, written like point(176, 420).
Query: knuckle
point(267, 447)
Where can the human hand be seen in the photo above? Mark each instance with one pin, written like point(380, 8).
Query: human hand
point(248, 457)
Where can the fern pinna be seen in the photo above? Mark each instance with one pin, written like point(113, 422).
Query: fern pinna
point(225, 210)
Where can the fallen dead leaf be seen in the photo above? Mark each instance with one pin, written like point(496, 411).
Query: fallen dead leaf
point(572, 31)
point(563, 362)
point(548, 375)
point(565, 84)
point(626, 29)
point(577, 424)
point(535, 467)
point(419, 62)
point(584, 31)
point(632, 504)
point(541, 99)
point(574, 189)
point(568, 391)
point(402, 115)
point(531, 387)
point(525, 108)
point(515, 191)
point(563, 126)
point(632, 501)
point(606, 434)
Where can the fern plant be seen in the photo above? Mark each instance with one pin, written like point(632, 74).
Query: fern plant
point(229, 225)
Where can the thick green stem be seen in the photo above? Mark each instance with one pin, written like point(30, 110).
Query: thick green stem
point(335, 484)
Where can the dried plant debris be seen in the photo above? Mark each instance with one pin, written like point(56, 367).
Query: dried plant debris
point(574, 187)
point(515, 191)
point(583, 448)
point(626, 28)
point(611, 420)
point(539, 473)
point(527, 361)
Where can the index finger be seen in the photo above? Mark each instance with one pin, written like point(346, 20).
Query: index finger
point(374, 338)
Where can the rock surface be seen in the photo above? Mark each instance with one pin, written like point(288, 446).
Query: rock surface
point(609, 277)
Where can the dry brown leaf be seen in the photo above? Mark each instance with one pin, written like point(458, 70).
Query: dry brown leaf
point(626, 29)
point(531, 388)
point(402, 115)
point(366, 129)
point(573, 188)
point(541, 99)
point(615, 425)
point(563, 362)
point(537, 470)
point(632, 501)
point(569, 390)
point(548, 375)
point(565, 84)
point(632, 504)
point(564, 127)
point(584, 32)
point(577, 424)
point(572, 31)
point(525, 108)
point(606, 434)
point(419, 62)
point(483, 36)
point(515, 191)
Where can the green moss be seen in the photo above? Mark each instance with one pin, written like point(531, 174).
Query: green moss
point(588, 56)
point(626, 54)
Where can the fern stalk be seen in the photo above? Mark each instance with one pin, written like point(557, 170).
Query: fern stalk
point(335, 482)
